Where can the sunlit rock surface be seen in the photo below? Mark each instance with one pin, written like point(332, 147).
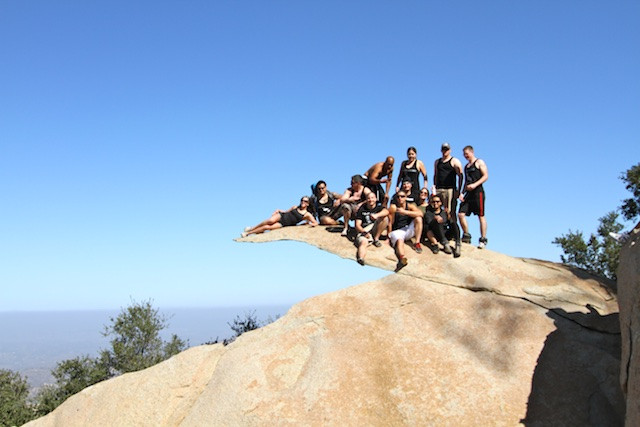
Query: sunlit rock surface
point(485, 339)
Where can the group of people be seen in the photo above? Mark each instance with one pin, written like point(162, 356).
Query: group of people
point(413, 213)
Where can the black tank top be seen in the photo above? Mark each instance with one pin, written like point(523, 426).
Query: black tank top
point(411, 173)
point(290, 218)
point(472, 174)
point(401, 220)
point(446, 177)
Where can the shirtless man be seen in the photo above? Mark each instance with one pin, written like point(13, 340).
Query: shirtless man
point(378, 174)
point(475, 174)
point(351, 200)
point(405, 222)
point(371, 221)
point(447, 180)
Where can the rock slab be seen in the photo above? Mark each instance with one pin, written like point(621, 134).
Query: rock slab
point(485, 339)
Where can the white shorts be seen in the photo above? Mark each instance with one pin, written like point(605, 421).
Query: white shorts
point(404, 233)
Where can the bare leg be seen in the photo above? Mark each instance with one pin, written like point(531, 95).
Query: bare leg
point(417, 225)
point(381, 225)
point(400, 249)
point(362, 249)
point(269, 221)
point(346, 213)
point(483, 227)
point(262, 228)
point(327, 220)
point(463, 222)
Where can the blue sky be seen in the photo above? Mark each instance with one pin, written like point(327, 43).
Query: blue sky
point(137, 139)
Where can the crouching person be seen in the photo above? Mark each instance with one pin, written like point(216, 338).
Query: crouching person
point(371, 220)
point(438, 224)
point(405, 222)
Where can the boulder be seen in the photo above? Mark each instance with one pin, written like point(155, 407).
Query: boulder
point(629, 293)
point(484, 339)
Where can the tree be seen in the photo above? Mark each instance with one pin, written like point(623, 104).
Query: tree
point(14, 406)
point(72, 376)
point(600, 253)
point(136, 345)
point(631, 207)
point(241, 325)
point(136, 342)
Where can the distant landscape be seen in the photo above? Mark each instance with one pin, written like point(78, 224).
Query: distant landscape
point(32, 342)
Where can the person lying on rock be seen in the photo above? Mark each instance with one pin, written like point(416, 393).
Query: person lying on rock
point(280, 219)
point(405, 222)
point(371, 220)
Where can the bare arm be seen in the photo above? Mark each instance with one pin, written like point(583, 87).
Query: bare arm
point(423, 170)
point(457, 167)
point(310, 219)
point(485, 175)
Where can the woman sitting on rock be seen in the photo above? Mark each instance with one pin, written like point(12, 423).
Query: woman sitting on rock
point(325, 204)
point(280, 219)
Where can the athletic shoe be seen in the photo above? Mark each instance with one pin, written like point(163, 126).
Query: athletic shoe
point(243, 234)
point(402, 263)
point(482, 242)
point(446, 248)
point(456, 251)
point(344, 232)
point(435, 249)
point(360, 261)
point(377, 243)
point(466, 238)
point(418, 248)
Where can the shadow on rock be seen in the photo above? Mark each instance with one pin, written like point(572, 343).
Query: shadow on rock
point(576, 380)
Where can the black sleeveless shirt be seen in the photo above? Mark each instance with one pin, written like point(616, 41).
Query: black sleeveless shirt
point(472, 174)
point(446, 176)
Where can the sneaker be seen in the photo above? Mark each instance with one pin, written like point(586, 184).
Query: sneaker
point(446, 248)
point(482, 242)
point(360, 261)
point(418, 248)
point(344, 232)
point(377, 243)
point(466, 238)
point(456, 251)
point(402, 263)
point(243, 234)
point(435, 249)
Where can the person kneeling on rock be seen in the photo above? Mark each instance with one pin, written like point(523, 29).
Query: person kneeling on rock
point(371, 220)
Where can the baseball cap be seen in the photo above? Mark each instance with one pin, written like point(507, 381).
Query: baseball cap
point(445, 147)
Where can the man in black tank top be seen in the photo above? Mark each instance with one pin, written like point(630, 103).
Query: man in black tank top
point(475, 174)
point(405, 222)
point(447, 180)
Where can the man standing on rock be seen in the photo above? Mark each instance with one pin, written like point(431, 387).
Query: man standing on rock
point(371, 220)
point(475, 174)
point(447, 180)
point(378, 174)
point(405, 222)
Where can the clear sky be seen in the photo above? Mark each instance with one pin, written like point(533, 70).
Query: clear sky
point(138, 138)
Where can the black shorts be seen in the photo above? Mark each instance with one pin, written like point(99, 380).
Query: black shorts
point(473, 203)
